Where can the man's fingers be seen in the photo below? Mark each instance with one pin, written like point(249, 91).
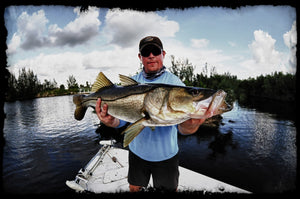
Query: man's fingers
point(103, 115)
point(104, 110)
point(98, 105)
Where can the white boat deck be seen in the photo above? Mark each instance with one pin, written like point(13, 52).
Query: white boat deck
point(107, 172)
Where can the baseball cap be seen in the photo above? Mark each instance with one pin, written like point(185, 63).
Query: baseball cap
point(150, 40)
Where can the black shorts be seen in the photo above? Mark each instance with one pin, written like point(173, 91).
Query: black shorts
point(164, 173)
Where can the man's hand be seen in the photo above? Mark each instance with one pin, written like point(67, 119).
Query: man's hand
point(104, 117)
point(190, 126)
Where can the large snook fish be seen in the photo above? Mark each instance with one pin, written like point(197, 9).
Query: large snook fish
point(151, 104)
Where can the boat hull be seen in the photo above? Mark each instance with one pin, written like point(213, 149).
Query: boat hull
point(107, 173)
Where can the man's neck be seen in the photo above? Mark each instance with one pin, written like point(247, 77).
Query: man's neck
point(153, 75)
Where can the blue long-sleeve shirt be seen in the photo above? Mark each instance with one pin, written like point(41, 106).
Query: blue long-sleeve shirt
point(160, 144)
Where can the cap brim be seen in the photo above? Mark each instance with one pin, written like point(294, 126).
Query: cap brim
point(154, 44)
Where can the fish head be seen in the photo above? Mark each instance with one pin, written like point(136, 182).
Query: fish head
point(200, 94)
point(208, 102)
point(180, 100)
point(185, 99)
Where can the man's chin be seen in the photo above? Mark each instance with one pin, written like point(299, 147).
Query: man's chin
point(152, 68)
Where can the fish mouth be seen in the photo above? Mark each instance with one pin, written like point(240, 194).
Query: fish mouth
point(200, 108)
point(211, 106)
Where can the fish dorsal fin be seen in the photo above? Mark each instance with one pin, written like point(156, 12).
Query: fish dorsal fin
point(127, 81)
point(101, 82)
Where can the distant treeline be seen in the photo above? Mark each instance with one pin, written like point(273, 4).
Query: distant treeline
point(27, 86)
point(275, 86)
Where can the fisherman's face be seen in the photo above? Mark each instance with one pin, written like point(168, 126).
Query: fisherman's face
point(152, 62)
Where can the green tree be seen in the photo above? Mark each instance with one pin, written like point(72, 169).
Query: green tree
point(27, 84)
point(275, 86)
point(174, 68)
point(88, 86)
point(72, 84)
point(183, 69)
point(12, 92)
point(62, 87)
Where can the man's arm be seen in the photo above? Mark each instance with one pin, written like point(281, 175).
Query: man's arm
point(190, 126)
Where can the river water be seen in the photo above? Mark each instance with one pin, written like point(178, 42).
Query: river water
point(45, 146)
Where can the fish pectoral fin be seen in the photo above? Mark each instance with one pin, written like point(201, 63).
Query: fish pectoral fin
point(132, 131)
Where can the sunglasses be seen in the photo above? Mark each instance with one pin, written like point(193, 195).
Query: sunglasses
point(145, 52)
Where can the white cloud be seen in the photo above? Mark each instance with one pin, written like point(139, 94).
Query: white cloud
point(83, 28)
point(51, 66)
point(32, 31)
point(14, 44)
point(84, 66)
point(199, 43)
point(290, 40)
point(197, 56)
point(125, 28)
point(290, 37)
point(263, 48)
point(265, 58)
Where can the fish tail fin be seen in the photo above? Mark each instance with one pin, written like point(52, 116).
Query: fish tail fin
point(80, 108)
point(132, 131)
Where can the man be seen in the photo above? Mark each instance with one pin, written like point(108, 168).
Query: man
point(153, 152)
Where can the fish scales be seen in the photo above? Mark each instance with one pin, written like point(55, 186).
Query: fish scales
point(129, 108)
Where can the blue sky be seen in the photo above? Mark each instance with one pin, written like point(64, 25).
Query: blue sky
point(58, 41)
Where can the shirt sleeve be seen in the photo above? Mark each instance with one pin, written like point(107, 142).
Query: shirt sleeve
point(122, 123)
point(173, 79)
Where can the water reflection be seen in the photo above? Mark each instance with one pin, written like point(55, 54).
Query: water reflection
point(221, 142)
point(263, 135)
point(45, 146)
point(27, 111)
point(270, 146)
point(253, 150)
